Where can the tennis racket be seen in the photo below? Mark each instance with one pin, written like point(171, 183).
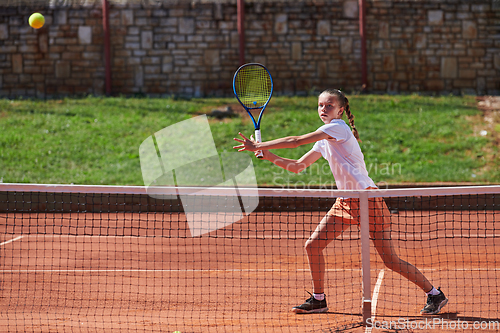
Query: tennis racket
point(253, 88)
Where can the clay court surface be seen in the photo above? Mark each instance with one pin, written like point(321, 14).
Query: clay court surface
point(83, 272)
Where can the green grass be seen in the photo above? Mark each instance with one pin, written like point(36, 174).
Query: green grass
point(96, 140)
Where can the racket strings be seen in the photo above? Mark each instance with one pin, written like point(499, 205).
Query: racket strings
point(253, 86)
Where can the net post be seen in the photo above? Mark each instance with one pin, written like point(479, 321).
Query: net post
point(365, 254)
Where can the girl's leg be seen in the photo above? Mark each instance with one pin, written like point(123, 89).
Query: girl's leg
point(385, 248)
point(328, 229)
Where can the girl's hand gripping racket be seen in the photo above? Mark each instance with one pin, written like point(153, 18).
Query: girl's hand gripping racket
point(253, 88)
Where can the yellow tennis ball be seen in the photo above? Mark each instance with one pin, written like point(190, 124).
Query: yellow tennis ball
point(36, 20)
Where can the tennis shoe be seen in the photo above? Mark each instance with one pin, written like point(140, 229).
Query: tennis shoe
point(312, 305)
point(434, 303)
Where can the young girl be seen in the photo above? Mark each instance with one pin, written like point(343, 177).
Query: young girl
point(339, 146)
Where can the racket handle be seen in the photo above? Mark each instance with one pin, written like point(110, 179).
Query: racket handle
point(258, 138)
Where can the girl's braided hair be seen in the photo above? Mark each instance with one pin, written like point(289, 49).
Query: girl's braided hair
point(344, 102)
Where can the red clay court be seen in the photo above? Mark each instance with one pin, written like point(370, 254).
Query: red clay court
point(131, 271)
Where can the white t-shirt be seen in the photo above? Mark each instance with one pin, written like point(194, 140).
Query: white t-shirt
point(344, 156)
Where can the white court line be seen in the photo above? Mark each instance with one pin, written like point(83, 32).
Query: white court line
point(12, 240)
point(297, 236)
point(376, 292)
point(250, 237)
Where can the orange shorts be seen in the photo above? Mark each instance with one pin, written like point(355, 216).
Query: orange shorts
point(348, 211)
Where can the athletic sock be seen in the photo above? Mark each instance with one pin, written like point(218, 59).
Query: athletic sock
point(433, 292)
point(319, 297)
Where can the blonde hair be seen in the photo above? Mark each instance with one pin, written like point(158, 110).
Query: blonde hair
point(344, 102)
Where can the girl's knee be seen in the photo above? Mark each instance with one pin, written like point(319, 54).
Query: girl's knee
point(313, 246)
point(390, 265)
point(392, 262)
point(308, 246)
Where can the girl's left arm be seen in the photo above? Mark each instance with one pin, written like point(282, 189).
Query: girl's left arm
point(286, 142)
point(295, 166)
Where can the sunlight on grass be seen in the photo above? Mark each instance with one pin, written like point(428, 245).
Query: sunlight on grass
point(95, 140)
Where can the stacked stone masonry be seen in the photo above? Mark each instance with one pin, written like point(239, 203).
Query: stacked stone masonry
point(191, 49)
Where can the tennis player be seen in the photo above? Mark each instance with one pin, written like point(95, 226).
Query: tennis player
point(338, 144)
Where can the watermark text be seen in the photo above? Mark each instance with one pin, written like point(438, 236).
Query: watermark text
point(432, 323)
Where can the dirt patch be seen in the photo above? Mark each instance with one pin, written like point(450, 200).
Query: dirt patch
point(489, 127)
point(225, 113)
point(488, 103)
point(490, 107)
point(233, 108)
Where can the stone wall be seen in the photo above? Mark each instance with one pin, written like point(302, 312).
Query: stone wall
point(191, 49)
point(445, 46)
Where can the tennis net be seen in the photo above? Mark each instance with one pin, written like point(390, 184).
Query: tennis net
point(112, 258)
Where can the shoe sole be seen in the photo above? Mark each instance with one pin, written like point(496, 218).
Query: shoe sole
point(441, 305)
point(300, 311)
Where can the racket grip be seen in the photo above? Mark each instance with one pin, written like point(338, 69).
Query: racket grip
point(258, 138)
